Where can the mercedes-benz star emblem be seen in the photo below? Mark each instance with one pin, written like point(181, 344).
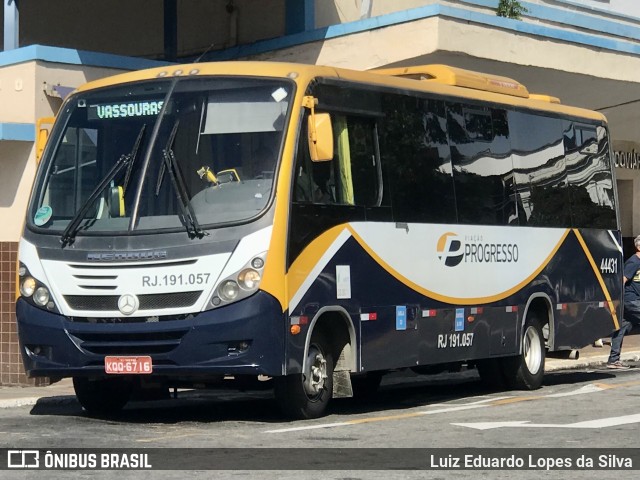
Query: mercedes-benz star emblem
point(128, 304)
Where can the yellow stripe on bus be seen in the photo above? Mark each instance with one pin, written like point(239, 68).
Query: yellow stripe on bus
point(310, 257)
point(596, 270)
point(315, 251)
point(455, 300)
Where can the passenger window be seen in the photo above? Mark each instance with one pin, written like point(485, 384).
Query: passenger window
point(482, 165)
point(539, 169)
point(478, 124)
point(589, 177)
point(416, 159)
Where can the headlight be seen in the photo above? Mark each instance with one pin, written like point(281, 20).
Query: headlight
point(41, 296)
point(27, 286)
point(240, 284)
point(34, 291)
point(249, 279)
point(229, 290)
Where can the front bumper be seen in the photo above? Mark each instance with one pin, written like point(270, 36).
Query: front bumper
point(204, 344)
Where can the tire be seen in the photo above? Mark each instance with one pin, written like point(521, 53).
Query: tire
point(102, 396)
point(306, 395)
point(526, 371)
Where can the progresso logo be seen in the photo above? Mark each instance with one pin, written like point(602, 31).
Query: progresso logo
point(453, 249)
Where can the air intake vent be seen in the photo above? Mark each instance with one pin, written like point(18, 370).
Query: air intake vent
point(102, 303)
point(147, 343)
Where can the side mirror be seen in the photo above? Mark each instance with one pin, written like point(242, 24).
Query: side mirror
point(42, 134)
point(116, 202)
point(320, 137)
point(319, 131)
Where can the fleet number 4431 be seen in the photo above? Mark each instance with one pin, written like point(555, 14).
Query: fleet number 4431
point(609, 265)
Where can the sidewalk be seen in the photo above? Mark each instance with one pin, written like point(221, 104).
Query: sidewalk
point(63, 391)
point(595, 356)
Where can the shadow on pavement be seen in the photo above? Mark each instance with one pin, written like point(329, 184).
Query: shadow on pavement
point(396, 393)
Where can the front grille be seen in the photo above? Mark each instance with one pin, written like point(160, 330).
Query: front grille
point(157, 301)
point(153, 319)
point(105, 276)
point(147, 343)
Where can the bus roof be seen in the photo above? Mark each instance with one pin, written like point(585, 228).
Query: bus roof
point(438, 79)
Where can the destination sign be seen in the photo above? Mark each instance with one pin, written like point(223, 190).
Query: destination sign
point(124, 110)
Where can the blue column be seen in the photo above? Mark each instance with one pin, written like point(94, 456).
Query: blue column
point(300, 16)
point(11, 24)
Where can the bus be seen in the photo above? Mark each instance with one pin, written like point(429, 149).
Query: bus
point(309, 229)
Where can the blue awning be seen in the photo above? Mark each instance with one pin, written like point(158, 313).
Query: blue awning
point(18, 132)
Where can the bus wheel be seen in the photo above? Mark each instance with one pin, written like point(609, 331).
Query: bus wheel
point(102, 396)
point(306, 395)
point(526, 371)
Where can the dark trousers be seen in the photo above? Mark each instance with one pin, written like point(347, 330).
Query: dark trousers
point(631, 317)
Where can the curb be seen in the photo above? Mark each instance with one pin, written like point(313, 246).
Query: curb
point(31, 401)
point(595, 360)
point(19, 402)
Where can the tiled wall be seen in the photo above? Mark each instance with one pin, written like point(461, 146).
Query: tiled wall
point(11, 369)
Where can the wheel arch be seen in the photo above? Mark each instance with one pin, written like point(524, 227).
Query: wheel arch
point(336, 324)
point(541, 305)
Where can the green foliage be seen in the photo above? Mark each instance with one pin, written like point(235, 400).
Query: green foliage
point(510, 9)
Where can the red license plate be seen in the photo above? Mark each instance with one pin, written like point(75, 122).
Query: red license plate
point(128, 365)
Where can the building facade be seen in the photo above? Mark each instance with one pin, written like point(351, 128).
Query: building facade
point(585, 52)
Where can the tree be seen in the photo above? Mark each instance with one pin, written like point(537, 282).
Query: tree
point(510, 9)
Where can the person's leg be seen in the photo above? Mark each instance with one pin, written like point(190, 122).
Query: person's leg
point(616, 341)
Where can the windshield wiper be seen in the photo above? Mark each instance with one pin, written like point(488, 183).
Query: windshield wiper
point(127, 159)
point(170, 165)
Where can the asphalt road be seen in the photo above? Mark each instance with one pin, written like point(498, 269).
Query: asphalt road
point(576, 409)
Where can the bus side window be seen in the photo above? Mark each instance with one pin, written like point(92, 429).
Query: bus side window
point(590, 185)
point(352, 177)
point(357, 163)
point(539, 168)
point(416, 159)
point(482, 165)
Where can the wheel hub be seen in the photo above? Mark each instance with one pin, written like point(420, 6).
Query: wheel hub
point(317, 373)
point(532, 351)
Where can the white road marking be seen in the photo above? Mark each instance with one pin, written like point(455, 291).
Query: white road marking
point(483, 403)
point(591, 388)
point(599, 423)
point(456, 408)
point(309, 427)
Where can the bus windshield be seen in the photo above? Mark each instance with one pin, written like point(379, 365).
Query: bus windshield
point(191, 153)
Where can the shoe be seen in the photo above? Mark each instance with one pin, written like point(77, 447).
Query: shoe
point(618, 365)
point(598, 343)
